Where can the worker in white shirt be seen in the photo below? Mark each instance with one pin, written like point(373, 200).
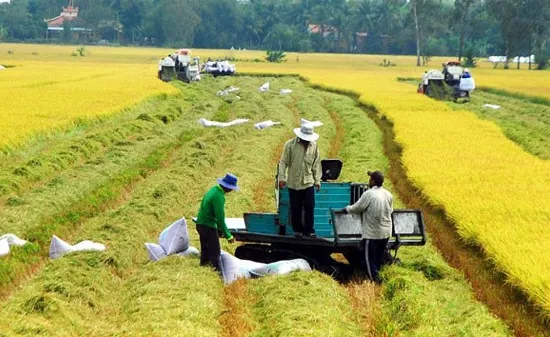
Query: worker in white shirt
point(376, 206)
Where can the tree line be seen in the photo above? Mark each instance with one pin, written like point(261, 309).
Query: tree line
point(419, 27)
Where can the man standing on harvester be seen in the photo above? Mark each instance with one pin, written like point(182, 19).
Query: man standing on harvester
point(376, 206)
point(211, 219)
point(302, 159)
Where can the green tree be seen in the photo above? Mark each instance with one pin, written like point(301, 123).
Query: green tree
point(173, 23)
point(427, 16)
point(221, 27)
point(3, 33)
point(276, 56)
point(17, 20)
point(507, 12)
point(462, 18)
point(536, 14)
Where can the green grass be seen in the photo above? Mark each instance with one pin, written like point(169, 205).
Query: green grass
point(301, 304)
point(83, 191)
point(40, 160)
point(166, 297)
point(516, 95)
point(62, 224)
point(164, 196)
point(118, 293)
point(425, 297)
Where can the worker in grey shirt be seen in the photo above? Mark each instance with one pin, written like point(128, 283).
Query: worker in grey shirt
point(302, 159)
point(376, 206)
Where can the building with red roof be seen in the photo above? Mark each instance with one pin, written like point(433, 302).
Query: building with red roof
point(68, 18)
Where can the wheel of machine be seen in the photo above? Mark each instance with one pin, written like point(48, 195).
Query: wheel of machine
point(258, 253)
point(354, 257)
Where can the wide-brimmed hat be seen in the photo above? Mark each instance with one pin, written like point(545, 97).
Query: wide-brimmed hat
point(229, 181)
point(306, 133)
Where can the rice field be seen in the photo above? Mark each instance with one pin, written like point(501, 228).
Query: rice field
point(496, 193)
point(464, 165)
point(41, 96)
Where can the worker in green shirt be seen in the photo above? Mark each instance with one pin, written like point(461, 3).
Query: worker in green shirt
point(302, 159)
point(211, 219)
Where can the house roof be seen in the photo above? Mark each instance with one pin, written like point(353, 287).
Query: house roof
point(316, 29)
point(68, 14)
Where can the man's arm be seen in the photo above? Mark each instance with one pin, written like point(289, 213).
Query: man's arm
point(283, 163)
point(316, 168)
point(360, 205)
point(219, 211)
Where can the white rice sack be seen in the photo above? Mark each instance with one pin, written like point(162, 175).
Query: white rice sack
point(4, 247)
point(206, 123)
point(13, 240)
point(248, 265)
point(282, 267)
point(238, 121)
point(231, 270)
point(285, 91)
point(191, 251)
point(58, 248)
point(265, 124)
point(155, 251)
point(315, 124)
point(175, 238)
point(467, 84)
point(264, 87)
point(87, 245)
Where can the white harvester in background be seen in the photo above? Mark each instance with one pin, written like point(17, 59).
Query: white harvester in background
point(453, 79)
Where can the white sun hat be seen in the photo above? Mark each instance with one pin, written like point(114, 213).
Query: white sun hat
point(306, 133)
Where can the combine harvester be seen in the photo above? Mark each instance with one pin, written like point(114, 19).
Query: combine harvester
point(453, 76)
point(268, 237)
point(181, 66)
point(219, 68)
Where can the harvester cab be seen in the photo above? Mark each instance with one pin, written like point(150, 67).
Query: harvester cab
point(453, 72)
point(268, 237)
